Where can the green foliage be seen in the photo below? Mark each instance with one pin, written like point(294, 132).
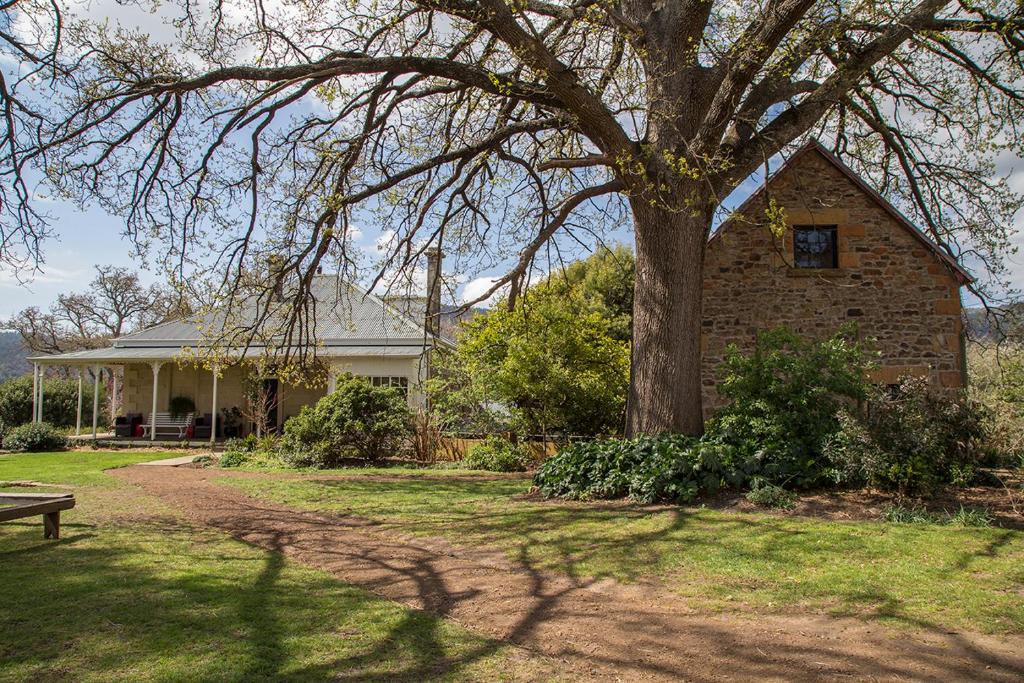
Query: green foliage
point(357, 419)
point(181, 405)
point(913, 441)
point(645, 469)
point(971, 517)
point(251, 450)
point(551, 368)
point(557, 362)
point(60, 401)
point(35, 437)
point(771, 496)
point(497, 454)
point(784, 400)
point(997, 382)
point(918, 514)
point(601, 283)
point(795, 419)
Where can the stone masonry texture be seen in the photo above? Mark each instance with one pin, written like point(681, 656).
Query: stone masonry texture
point(895, 287)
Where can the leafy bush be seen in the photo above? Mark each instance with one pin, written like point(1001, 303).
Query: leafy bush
point(60, 401)
point(784, 401)
point(771, 496)
point(997, 382)
point(357, 419)
point(912, 441)
point(35, 437)
point(497, 454)
point(251, 450)
point(918, 514)
point(971, 517)
point(542, 367)
point(912, 514)
point(646, 469)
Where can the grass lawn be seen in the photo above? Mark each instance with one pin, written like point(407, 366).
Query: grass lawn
point(913, 575)
point(133, 592)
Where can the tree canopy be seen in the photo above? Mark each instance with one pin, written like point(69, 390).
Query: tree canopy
point(505, 132)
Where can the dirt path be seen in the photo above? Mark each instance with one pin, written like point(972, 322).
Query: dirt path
point(598, 630)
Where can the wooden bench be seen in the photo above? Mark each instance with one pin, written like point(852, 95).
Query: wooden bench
point(169, 424)
point(49, 505)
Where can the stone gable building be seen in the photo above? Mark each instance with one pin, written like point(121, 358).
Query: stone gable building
point(846, 255)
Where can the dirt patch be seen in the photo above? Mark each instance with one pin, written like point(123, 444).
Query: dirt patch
point(1005, 504)
point(598, 629)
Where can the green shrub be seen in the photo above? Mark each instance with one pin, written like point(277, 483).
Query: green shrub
point(912, 441)
point(60, 401)
point(912, 514)
point(251, 450)
point(771, 496)
point(235, 454)
point(356, 420)
point(35, 437)
point(971, 517)
point(497, 454)
point(997, 382)
point(646, 469)
point(918, 514)
point(784, 400)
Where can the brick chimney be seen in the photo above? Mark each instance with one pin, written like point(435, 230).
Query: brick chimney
point(432, 319)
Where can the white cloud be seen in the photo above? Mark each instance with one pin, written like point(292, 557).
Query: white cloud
point(478, 287)
point(44, 276)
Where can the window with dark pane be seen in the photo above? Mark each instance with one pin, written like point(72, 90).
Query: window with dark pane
point(400, 383)
point(814, 246)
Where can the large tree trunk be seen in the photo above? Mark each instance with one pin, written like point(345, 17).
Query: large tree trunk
point(665, 382)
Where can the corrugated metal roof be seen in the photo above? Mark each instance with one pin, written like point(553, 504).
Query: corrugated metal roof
point(141, 354)
point(340, 312)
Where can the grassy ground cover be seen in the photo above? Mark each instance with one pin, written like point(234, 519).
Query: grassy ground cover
point(915, 575)
point(132, 592)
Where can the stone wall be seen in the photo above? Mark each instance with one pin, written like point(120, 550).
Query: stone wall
point(893, 286)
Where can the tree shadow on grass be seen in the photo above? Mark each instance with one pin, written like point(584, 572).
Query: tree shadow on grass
point(755, 554)
point(150, 601)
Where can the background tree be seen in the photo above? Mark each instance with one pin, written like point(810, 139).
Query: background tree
point(115, 303)
point(557, 361)
point(602, 283)
point(495, 128)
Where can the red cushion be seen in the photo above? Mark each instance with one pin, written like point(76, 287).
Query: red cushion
point(138, 430)
point(190, 432)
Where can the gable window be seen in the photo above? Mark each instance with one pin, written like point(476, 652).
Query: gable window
point(815, 246)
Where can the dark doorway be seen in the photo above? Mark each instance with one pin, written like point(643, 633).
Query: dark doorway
point(270, 393)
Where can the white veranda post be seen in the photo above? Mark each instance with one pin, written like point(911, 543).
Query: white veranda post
point(42, 376)
point(152, 413)
point(35, 392)
point(78, 414)
point(213, 418)
point(113, 392)
point(95, 399)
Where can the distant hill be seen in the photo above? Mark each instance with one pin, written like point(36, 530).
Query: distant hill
point(982, 325)
point(12, 356)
